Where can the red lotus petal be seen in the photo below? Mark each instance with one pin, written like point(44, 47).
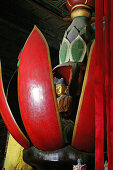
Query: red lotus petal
point(84, 130)
point(9, 119)
point(37, 95)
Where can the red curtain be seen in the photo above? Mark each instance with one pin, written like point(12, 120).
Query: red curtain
point(103, 82)
point(99, 86)
point(107, 75)
point(108, 11)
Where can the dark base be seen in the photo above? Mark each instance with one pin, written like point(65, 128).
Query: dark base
point(62, 159)
point(53, 167)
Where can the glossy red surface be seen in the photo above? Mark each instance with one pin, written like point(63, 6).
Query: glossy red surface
point(64, 71)
point(71, 3)
point(84, 131)
point(37, 96)
point(9, 119)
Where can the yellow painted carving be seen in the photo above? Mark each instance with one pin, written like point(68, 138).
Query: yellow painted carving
point(86, 1)
point(68, 3)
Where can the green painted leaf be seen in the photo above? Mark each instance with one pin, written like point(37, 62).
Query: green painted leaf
point(78, 49)
point(63, 52)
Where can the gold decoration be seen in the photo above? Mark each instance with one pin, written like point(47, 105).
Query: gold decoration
point(80, 5)
point(61, 89)
point(69, 3)
point(86, 1)
point(80, 12)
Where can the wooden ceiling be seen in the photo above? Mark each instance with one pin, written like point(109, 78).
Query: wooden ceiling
point(56, 6)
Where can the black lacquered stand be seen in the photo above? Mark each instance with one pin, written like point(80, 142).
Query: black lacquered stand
point(62, 159)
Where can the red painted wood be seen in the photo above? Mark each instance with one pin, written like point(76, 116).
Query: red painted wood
point(9, 119)
point(64, 71)
point(84, 131)
point(71, 3)
point(37, 96)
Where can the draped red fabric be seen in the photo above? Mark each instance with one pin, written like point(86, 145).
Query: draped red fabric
point(107, 14)
point(110, 137)
point(99, 86)
point(111, 86)
point(111, 91)
point(108, 11)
